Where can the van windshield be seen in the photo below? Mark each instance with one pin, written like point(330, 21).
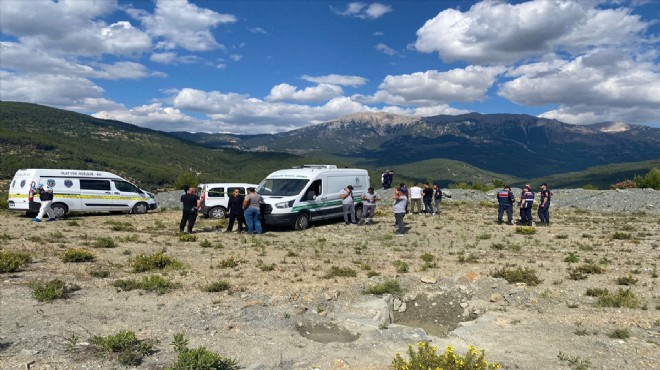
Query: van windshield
point(282, 187)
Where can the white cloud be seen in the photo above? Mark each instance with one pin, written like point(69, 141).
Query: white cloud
point(153, 116)
point(363, 11)
point(602, 85)
point(432, 88)
point(123, 70)
point(55, 90)
point(257, 30)
point(235, 57)
point(497, 32)
point(286, 92)
point(333, 79)
point(386, 49)
point(182, 24)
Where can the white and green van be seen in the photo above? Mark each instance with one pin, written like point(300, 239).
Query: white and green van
point(299, 196)
point(78, 191)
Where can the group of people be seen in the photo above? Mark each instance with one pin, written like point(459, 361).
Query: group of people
point(243, 209)
point(506, 200)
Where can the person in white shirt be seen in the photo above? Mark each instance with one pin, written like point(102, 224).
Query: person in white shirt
point(416, 199)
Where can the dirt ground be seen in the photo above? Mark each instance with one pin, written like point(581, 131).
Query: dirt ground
point(286, 308)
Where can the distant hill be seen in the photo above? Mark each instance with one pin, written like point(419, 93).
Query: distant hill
point(35, 136)
point(512, 144)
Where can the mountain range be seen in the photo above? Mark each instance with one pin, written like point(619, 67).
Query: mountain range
point(517, 145)
point(441, 149)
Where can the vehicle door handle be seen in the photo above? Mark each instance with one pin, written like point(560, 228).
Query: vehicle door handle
point(107, 192)
point(116, 192)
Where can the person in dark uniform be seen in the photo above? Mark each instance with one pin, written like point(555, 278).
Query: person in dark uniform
point(526, 203)
point(544, 206)
point(191, 204)
point(505, 200)
point(235, 205)
point(427, 198)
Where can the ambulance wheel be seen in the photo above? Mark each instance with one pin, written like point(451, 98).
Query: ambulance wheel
point(59, 209)
point(140, 208)
point(302, 221)
point(218, 212)
point(358, 212)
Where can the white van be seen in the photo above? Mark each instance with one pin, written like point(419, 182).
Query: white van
point(78, 191)
point(299, 196)
point(216, 197)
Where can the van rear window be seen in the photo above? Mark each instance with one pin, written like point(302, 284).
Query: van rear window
point(94, 184)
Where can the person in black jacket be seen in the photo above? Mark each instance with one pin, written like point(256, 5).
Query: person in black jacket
point(235, 205)
point(46, 197)
point(191, 204)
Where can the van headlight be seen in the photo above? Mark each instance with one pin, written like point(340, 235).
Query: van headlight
point(283, 205)
point(151, 195)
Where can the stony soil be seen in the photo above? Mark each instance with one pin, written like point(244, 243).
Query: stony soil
point(281, 312)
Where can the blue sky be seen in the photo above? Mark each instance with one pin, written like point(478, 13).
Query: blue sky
point(270, 66)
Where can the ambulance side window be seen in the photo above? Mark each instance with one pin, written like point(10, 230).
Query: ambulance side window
point(126, 187)
point(216, 193)
point(95, 184)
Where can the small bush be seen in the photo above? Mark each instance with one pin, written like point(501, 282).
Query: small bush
point(128, 350)
point(153, 283)
point(621, 236)
point(50, 290)
point(619, 334)
point(400, 266)
point(228, 263)
point(597, 292)
point(120, 226)
point(156, 261)
point(622, 298)
point(99, 273)
point(650, 180)
point(525, 230)
point(580, 272)
point(626, 280)
point(427, 358)
point(571, 258)
point(13, 261)
point(427, 257)
point(206, 244)
point(218, 286)
point(199, 358)
point(78, 255)
point(386, 287)
point(265, 267)
point(336, 271)
point(519, 275)
point(104, 242)
point(187, 237)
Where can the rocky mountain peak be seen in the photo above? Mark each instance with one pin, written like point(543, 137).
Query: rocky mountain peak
point(377, 119)
point(610, 126)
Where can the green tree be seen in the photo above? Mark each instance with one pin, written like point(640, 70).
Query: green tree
point(650, 180)
point(188, 179)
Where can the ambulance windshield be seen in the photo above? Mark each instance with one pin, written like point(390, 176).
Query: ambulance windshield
point(281, 187)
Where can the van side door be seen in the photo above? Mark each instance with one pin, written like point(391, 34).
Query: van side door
point(332, 203)
point(311, 200)
point(96, 195)
point(126, 195)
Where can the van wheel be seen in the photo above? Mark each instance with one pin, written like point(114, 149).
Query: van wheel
point(302, 221)
point(217, 212)
point(59, 209)
point(358, 212)
point(140, 208)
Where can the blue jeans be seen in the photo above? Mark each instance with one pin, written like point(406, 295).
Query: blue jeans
point(253, 221)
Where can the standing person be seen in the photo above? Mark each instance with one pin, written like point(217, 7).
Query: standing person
point(427, 197)
point(46, 197)
point(369, 206)
point(348, 204)
point(399, 208)
point(390, 178)
point(383, 178)
point(544, 206)
point(235, 205)
point(191, 204)
point(437, 198)
point(505, 200)
point(404, 189)
point(526, 203)
point(252, 206)
point(415, 198)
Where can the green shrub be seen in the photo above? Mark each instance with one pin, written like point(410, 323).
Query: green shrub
point(187, 237)
point(519, 275)
point(571, 258)
point(622, 298)
point(199, 358)
point(218, 286)
point(621, 236)
point(78, 255)
point(99, 273)
point(650, 180)
point(597, 292)
point(120, 226)
point(228, 263)
point(156, 261)
point(386, 287)
point(153, 283)
point(336, 271)
point(13, 261)
point(525, 230)
point(128, 350)
point(50, 290)
point(627, 280)
point(400, 266)
point(427, 358)
point(104, 242)
point(619, 334)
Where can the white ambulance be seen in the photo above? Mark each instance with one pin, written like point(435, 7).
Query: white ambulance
point(299, 196)
point(78, 191)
